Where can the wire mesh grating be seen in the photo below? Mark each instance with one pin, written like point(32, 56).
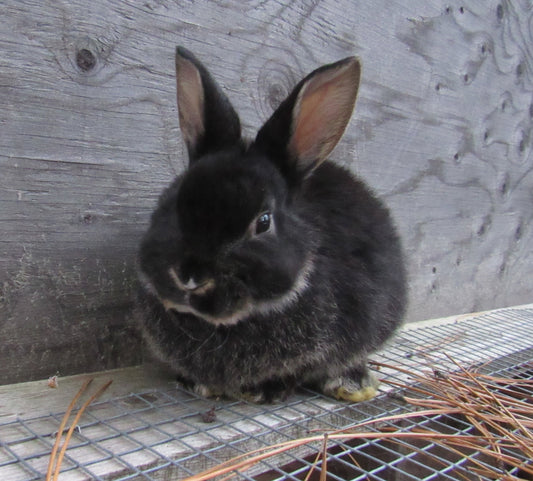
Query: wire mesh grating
point(163, 434)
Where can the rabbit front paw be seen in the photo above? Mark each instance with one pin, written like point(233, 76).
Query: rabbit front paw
point(270, 391)
point(200, 389)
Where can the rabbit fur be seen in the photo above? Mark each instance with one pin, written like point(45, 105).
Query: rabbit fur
point(265, 265)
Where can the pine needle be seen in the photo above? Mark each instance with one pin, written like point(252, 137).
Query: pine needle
point(59, 460)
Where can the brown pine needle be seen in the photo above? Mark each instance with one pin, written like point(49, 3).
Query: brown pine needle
point(324, 467)
point(64, 421)
point(313, 466)
point(492, 396)
point(503, 380)
point(59, 460)
point(85, 405)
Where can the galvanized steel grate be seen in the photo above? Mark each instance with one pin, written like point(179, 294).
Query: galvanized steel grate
point(162, 434)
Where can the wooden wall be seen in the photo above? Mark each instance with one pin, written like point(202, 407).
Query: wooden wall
point(89, 136)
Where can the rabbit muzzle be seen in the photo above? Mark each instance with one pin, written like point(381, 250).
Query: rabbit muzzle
point(192, 285)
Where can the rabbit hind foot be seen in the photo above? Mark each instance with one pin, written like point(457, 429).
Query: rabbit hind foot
point(358, 388)
point(345, 393)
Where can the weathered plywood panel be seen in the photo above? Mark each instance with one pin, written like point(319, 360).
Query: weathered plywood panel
point(87, 141)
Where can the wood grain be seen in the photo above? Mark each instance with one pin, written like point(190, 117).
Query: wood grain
point(89, 137)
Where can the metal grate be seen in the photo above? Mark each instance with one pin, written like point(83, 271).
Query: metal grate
point(161, 434)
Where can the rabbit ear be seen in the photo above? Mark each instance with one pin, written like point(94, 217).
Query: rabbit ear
point(208, 122)
point(308, 124)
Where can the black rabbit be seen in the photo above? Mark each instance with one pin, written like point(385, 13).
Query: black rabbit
point(265, 265)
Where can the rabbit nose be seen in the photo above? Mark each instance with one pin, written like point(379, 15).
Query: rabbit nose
point(192, 276)
point(190, 284)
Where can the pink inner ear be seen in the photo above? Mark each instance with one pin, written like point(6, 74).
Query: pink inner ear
point(190, 100)
point(322, 112)
point(311, 128)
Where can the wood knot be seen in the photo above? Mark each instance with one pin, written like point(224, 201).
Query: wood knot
point(85, 59)
point(275, 82)
point(276, 94)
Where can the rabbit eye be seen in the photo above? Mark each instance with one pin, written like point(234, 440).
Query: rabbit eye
point(263, 223)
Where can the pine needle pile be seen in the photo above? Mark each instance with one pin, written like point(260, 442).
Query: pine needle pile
point(496, 445)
